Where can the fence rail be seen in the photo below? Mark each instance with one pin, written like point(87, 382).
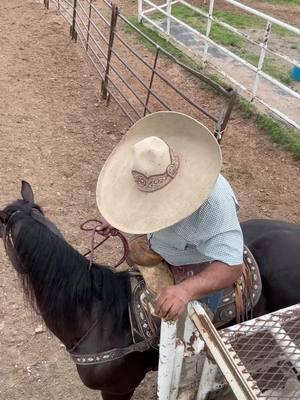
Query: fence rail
point(259, 78)
point(138, 91)
point(259, 359)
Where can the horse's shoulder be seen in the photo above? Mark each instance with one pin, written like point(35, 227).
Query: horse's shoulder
point(269, 224)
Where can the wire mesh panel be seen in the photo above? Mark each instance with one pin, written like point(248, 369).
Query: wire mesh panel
point(267, 348)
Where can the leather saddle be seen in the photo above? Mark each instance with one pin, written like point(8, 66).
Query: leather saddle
point(238, 300)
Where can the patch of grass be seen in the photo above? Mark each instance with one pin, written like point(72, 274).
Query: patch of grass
point(226, 38)
point(239, 20)
point(162, 42)
point(246, 108)
point(281, 73)
point(285, 137)
point(173, 50)
point(296, 2)
point(236, 19)
point(252, 58)
point(279, 31)
point(218, 33)
point(181, 12)
point(270, 67)
point(246, 21)
point(280, 134)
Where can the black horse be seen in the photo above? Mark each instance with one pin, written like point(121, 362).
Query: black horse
point(72, 298)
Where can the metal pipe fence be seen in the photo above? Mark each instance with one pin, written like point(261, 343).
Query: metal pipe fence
point(103, 32)
point(259, 78)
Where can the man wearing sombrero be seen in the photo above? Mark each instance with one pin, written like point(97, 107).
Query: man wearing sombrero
point(163, 180)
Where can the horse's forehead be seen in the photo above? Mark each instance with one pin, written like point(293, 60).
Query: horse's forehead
point(35, 212)
point(15, 206)
point(45, 221)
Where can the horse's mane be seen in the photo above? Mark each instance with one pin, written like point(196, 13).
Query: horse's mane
point(56, 278)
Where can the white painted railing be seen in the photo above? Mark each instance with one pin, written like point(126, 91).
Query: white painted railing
point(147, 7)
point(259, 358)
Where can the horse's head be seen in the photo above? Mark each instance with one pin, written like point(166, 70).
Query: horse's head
point(12, 216)
point(24, 206)
point(56, 278)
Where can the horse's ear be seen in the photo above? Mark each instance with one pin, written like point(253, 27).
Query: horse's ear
point(26, 192)
point(3, 216)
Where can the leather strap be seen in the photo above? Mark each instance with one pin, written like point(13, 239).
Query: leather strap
point(145, 332)
point(111, 355)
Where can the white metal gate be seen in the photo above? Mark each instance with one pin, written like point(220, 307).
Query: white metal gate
point(256, 83)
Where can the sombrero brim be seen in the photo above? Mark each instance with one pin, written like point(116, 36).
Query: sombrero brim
point(130, 210)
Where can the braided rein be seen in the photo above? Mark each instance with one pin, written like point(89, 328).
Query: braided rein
point(95, 227)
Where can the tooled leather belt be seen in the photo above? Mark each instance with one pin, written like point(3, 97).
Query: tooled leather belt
point(180, 273)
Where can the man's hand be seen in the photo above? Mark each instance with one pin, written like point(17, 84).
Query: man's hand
point(104, 228)
point(171, 302)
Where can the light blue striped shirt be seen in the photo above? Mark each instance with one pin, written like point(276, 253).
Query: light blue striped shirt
point(212, 233)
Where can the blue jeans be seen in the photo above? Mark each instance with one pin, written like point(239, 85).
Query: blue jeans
point(213, 300)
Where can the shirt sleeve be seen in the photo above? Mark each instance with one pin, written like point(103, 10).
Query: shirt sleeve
point(222, 237)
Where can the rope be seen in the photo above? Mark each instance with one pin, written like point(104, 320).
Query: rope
point(95, 227)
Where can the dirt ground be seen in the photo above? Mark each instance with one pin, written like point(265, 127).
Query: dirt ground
point(289, 13)
point(56, 133)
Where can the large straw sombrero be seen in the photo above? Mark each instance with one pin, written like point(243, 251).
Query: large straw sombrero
point(161, 172)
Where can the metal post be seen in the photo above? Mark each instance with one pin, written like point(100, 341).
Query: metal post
point(73, 32)
point(263, 46)
point(89, 26)
point(151, 79)
point(113, 23)
point(169, 13)
point(178, 362)
point(166, 359)
point(224, 117)
point(208, 28)
point(140, 10)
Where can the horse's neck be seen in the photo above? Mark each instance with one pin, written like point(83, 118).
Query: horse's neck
point(101, 327)
point(102, 334)
point(68, 295)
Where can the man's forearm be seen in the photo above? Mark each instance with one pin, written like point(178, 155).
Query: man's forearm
point(214, 277)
